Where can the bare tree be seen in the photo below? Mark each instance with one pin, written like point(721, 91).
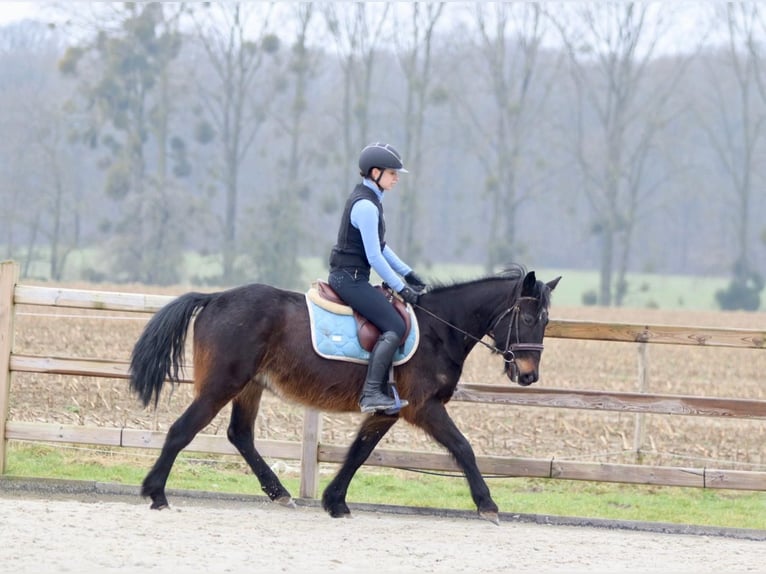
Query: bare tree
point(278, 251)
point(734, 124)
point(235, 105)
point(125, 79)
point(21, 82)
point(41, 199)
point(416, 57)
point(63, 203)
point(510, 38)
point(357, 30)
point(611, 49)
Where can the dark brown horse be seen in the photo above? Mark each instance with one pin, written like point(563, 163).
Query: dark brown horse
point(256, 337)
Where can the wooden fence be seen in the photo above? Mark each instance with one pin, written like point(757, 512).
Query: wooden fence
point(311, 451)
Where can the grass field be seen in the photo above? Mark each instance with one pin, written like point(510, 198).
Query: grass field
point(645, 290)
point(663, 291)
point(225, 474)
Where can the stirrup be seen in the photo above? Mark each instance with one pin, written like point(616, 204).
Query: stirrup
point(377, 409)
point(398, 403)
point(393, 394)
point(376, 402)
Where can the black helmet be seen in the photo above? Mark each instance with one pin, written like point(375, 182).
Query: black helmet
point(382, 156)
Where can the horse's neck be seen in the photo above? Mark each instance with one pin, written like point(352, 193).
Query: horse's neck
point(473, 307)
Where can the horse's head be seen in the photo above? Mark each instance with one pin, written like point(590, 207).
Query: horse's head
point(518, 331)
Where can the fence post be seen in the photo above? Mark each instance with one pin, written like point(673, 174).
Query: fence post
point(643, 386)
point(9, 275)
point(312, 430)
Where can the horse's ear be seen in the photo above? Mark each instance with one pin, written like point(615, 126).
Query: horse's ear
point(552, 284)
point(530, 281)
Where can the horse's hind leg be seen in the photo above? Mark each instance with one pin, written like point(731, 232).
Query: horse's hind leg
point(196, 417)
point(434, 419)
point(244, 409)
point(372, 430)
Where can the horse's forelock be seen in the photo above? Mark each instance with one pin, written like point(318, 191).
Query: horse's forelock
point(542, 291)
point(514, 271)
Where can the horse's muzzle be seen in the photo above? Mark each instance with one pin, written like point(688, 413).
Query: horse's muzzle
point(527, 379)
point(523, 379)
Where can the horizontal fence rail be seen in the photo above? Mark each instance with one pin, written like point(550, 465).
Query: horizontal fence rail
point(665, 334)
point(310, 451)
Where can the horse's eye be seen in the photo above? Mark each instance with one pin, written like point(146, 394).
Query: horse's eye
point(528, 319)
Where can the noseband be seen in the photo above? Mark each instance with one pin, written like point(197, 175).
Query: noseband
point(509, 353)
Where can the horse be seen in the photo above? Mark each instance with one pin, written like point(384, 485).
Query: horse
point(255, 337)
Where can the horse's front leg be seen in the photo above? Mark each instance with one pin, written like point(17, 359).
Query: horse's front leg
point(433, 419)
point(372, 430)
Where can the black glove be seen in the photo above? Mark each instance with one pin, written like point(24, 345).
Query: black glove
point(409, 295)
point(415, 282)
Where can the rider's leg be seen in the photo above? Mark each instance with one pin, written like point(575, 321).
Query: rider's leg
point(374, 394)
point(356, 291)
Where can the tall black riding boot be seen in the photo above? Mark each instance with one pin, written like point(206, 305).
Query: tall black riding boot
point(374, 394)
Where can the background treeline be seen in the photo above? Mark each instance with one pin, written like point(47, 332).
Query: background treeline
point(618, 137)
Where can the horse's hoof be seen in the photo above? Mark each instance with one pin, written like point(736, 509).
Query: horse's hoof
point(159, 500)
point(339, 511)
point(286, 501)
point(491, 516)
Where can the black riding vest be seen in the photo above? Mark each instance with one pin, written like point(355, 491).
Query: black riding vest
point(349, 249)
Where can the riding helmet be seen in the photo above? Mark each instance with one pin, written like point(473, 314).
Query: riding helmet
point(382, 156)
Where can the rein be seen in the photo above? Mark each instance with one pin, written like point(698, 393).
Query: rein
point(508, 354)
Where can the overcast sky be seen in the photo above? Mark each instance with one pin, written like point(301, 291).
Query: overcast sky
point(13, 11)
point(691, 18)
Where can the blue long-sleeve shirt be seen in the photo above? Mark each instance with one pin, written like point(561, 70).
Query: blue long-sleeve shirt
point(364, 216)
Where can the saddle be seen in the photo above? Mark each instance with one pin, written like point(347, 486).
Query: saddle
point(325, 296)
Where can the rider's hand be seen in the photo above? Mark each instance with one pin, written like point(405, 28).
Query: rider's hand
point(409, 295)
point(415, 282)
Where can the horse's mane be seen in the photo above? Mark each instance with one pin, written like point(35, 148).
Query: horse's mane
point(515, 272)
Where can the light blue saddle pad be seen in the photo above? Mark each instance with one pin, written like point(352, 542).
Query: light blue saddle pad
point(334, 336)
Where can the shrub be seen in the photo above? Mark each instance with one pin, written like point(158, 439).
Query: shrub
point(590, 298)
point(743, 292)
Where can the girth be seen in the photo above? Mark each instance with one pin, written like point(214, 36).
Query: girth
point(367, 332)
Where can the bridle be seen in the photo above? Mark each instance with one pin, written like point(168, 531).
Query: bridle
point(509, 352)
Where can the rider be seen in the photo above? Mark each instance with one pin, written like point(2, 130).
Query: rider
point(361, 245)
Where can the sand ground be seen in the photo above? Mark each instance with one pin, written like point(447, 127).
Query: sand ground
point(46, 532)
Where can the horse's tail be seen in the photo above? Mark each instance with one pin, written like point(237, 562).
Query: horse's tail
point(159, 351)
